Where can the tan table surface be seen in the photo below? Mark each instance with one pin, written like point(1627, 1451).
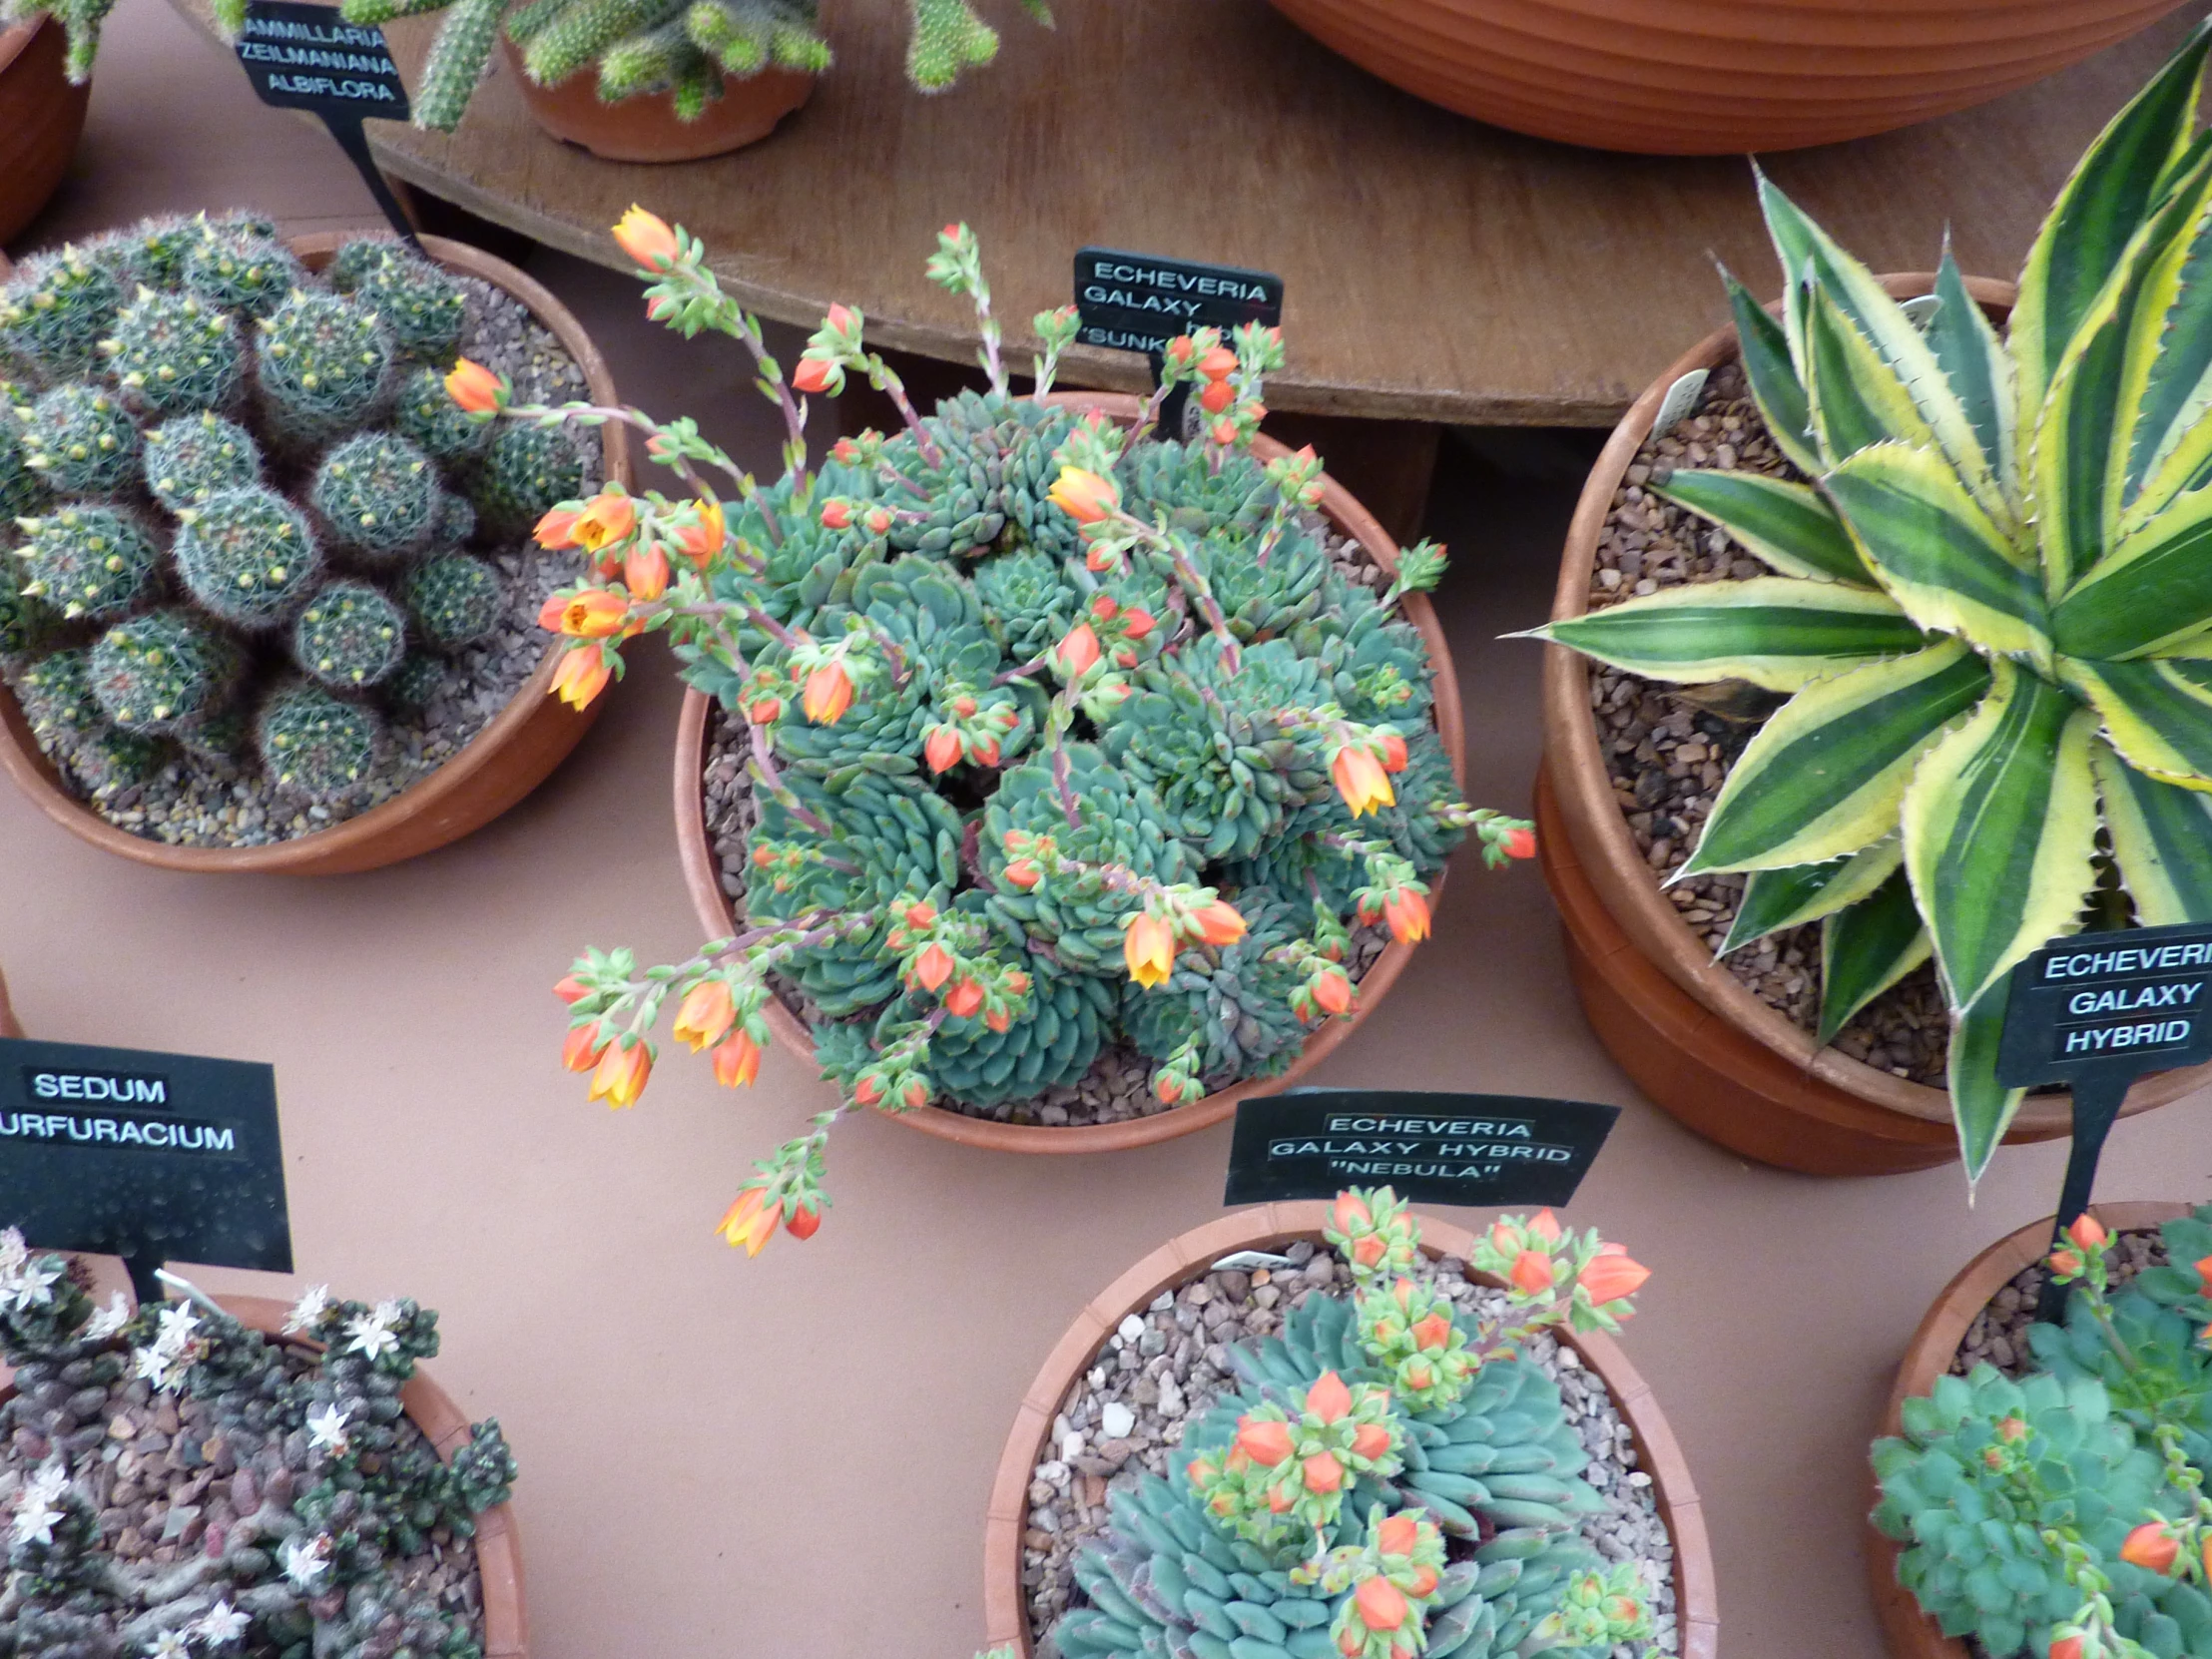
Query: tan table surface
point(791, 1456)
point(1434, 268)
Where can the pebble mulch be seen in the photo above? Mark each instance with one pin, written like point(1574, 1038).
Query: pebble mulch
point(1998, 1335)
point(1669, 750)
point(208, 804)
point(1118, 1086)
point(167, 1483)
point(1166, 1366)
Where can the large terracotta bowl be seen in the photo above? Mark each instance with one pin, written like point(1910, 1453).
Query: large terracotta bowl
point(503, 762)
point(1714, 77)
point(41, 117)
point(703, 875)
point(647, 128)
point(1910, 1633)
point(1683, 1027)
point(445, 1425)
point(1269, 1227)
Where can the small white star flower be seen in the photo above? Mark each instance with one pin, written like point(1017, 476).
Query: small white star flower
point(372, 1332)
point(176, 1347)
point(24, 1283)
point(221, 1624)
point(171, 1644)
point(39, 1508)
point(308, 1312)
point(106, 1321)
point(304, 1562)
point(327, 1430)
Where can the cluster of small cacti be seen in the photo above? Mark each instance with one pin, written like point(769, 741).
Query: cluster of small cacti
point(2065, 1514)
point(681, 47)
point(1386, 1482)
point(239, 501)
point(321, 1502)
point(1062, 736)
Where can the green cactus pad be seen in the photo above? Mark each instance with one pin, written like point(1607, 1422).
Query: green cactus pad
point(189, 458)
point(380, 496)
point(247, 556)
point(454, 600)
point(323, 361)
point(348, 635)
point(314, 745)
point(58, 310)
point(158, 673)
point(82, 441)
point(91, 562)
point(175, 352)
point(527, 471)
point(427, 417)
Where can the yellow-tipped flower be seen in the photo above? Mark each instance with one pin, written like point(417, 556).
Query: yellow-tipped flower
point(706, 1011)
point(621, 1075)
point(1149, 950)
point(1361, 781)
point(581, 675)
point(749, 1222)
point(606, 516)
point(646, 238)
point(476, 389)
point(828, 693)
point(1084, 495)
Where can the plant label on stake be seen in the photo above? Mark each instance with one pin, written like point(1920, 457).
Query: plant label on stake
point(1478, 1150)
point(150, 1157)
point(1140, 301)
point(306, 57)
point(2095, 1011)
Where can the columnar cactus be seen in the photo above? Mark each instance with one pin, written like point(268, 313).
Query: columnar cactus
point(229, 490)
point(1061, 737)
point(316, 1529)
point(2065, 1513)
point(1389, 1482)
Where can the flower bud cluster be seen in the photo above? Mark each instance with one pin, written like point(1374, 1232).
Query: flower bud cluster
point(1408, 1331)
point(1393, 1581)
point(1373, 1233)
point(1284, 1476)
point(1598, 1610)
point(1555, 1274)
point(950, 955)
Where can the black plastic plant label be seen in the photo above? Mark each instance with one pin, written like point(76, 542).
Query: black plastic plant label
point(1140, 301)
point(2131, 1001)
point(150, 1157)
point(308, 57)
point(1478, 1150)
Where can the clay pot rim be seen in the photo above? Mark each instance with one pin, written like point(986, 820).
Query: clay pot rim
point(444, 793)
point(1912, 1633)
point(445, 1425)
point(644, 128)
point(1191, 1255)
point(15, 37)
point(1600, 836)
point(703, 874)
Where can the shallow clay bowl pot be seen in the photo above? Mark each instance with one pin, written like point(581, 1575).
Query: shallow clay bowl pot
point(1269, 1228)
point(703, 875)
point(41, 117)
point(446, 1425)
point(503, 762)
point(646, 129)
point(1714, 77)
point(1908, 1632)
point(1692, 1037)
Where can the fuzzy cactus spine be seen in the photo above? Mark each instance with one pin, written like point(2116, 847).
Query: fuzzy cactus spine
point(191, 457)
point(156, 673)
point(247, 555)
point(349, 636)
point(378, 494)
point(176, 352)
point(83, 441)
point(321, 361)
point(88, 561)
point(312, 745)
point(454, 600)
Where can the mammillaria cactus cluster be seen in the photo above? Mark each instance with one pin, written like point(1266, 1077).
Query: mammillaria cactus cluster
point(302, 1506)
point(1061, 734)
point(1386, 1482)
point(2064, 1514)
point(239, 501)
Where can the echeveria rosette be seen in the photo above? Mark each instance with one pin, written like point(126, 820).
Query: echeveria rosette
point(1990, 610)
point(1234, 1001)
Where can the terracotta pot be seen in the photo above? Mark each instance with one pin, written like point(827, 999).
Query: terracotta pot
point(498, 1549)
point(1180, 1260)
point(647, 129)
point(1910, 1633)
point(1714, 77)
point(1714, 1055)
point(41, 115)
point(498, 767)
point(703, 875)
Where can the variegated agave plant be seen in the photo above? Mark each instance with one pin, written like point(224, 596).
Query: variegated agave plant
point(1993, 606)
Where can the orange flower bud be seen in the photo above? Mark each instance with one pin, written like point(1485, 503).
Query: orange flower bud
point(1217, 396)
point(2066, 1647)
point(999, 1020)
point(646, 238)
point(805, 1219)
point(867, 1092)
point(1350, 1212)
point(572, 989)
point(1419, 1377)
point(1332, 992)
point(933, 967)
point(1262, 1440)
point(1224, 431)
point(1149, 950)
point(581, 1049)
point(476, 389)
point(1399, 1534)
point(2088, 1232)
point(1199, 1470)
point(706, 1013)
point(644, 572)
point(607, 517)
point(1613, 1276)
point(841, 317)
point(1382, 1604)
point(1217, 363)
point(1322, 1472)
point(1084, 495)
point(736, 1060)
point(2204, 1275)
point(1407, 914)
point(763, 711)
point(750, 1221)
point(1023, 873)
point(1180, 350)
point(1360, 779)
point(1136, 622)
point(921, 914)
point(828, 695)
point(941, 749)
point(879, 521)
point(621, 1074)
point(1329, 1398)
point(1424, 1583)
point(581, 675)
point(1393, 752)
point(1076, 652)
point(1280, 1499)
point(1371, 1440)
point(702, 540)
point(1520, 843)
point(1352, 1643)
point(1545, 1225)
point(1370, 1250)
point(1219, 925)
point(985, 752)
point(2065, 1262)
point(1531, 1271)
point(2012, 1430)
point(813, 375)
point(1432, 1331)
point(556, 528)
point(846, 450)
point(836, 514)
point(966, 997)
point(2150, 1547)
point(593, 614)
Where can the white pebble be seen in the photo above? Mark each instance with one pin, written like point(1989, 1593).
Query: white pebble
point(1116, 1419)
point(1071, 1447)
point(1130, 1329)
